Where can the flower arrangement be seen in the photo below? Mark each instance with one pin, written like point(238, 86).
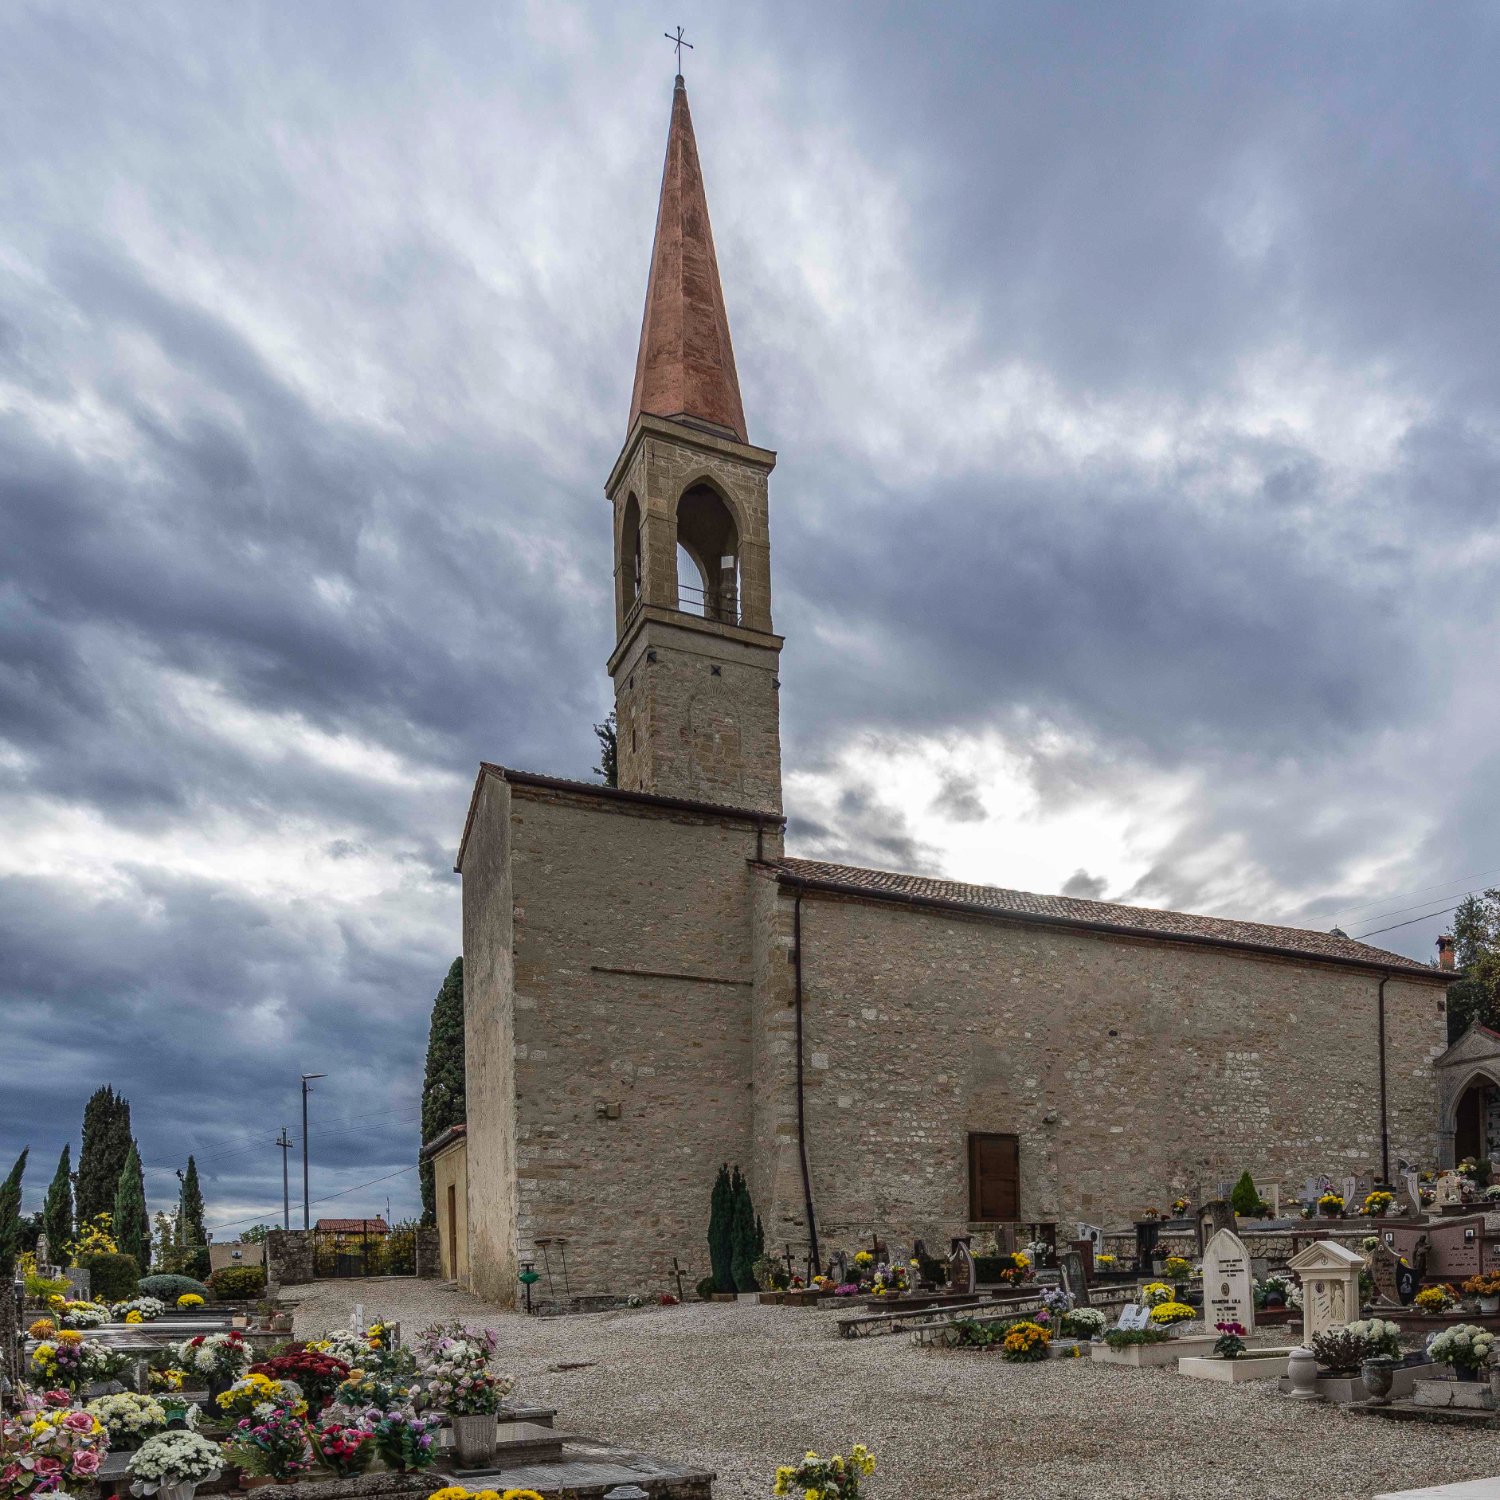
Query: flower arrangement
point(846, 1289)
point(1378, 1203)
point(189, 1300)
point(1340, 1348)
point(1084, 1323)
point(1382, 1336)
point(890, 1281)
point(1178, 1267)
point(83, 1314)
point(458, 1492)
point(364, 1389)
point(71, 1361)
point(167, 1379)
point(1025, 1341)
point(1179, 1207)
point(458, 1380)
point(835, 1478)
point(128, 1419)
point(1165, 1314)
point(346, 1344)
point(1435, 1299)
point(219, 1356)
point(1464, 1346)
point(1154, 1293)
point(172, 1458)
point(863, 1259)
point(1105, 1262)
point(251, 1392)
point(47, 1447)
point(1015, 1268)
point(273, 1443)
point(1150, 1213)
point(148, 1308)
point(1039, 1251)
point(405, 1439)
point(346, 1448)
point(1230, 1343)
point(1483, 1285)
point(43, 1328)
point(317, 1375)
point(1330, 1205)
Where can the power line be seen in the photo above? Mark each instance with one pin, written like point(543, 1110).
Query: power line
point(1411, 921)
point(1348, 911)
point(335, 1134)
point(327, 1198)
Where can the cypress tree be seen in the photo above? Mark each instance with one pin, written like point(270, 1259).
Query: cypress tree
point(132, 1228)
point(106, 1144)
point(743, 1235)
point(10, 1248)
point(190, 1228)
point(1246, 1196)
point(443, 1101)
point(57, 1212)
point(720, 1232)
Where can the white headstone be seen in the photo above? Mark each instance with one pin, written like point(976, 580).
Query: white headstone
point(1093, 1234)
point(1413, 1187)
point(1228, 1283)
point(1134, 1317)
point(1349, 1192)
point(1330, 1286)
point(1450, 1189)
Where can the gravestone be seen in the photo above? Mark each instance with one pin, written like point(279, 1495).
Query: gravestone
point(1395, 1281)
point(1213, 1216)
point(1005, 1239)
point(1075, 1283)
point(1412, 1192)
point(961, 1268)
point(1146, 1234)
point(1364, 1185)
point(1085, 1249)
point(1329, 1274)
point(1450, 1190)
point(1093, 1234)
point(1228, 1285)
point(1349, 1192)
point(1134, 1317)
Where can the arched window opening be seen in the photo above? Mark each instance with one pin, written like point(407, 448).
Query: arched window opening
point(706, 533)
point(1477, 1126)
point(631, 563)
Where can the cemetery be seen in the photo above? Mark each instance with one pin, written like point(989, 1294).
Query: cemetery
point(1388, 1315)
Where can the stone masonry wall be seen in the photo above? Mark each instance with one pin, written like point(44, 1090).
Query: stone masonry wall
point(632, 988)
point(289, 1257)
point(1129, 1070)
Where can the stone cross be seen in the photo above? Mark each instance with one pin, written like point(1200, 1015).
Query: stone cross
point(1228, 1286)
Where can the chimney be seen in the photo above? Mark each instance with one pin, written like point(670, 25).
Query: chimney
point(1445, 951)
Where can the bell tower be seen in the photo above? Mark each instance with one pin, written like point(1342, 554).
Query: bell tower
point(695, 665)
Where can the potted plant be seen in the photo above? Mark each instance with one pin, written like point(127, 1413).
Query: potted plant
point(173, 1464)
point(1178, 1269)
point(128, 1419)
point(1378, 1203)
point(272, 1446)
point(1230, 1343)
point(1487, 1289)
point(49, 1437)
point(220, 1358)
point(405, 1439)
point(1465, 1348)
point(345, 1448)
point(1341, 1351)
point(1173, 1316)
point(1331, 1206)
point(1025, 1341)
point(836, 1478)
point(1435, 1299)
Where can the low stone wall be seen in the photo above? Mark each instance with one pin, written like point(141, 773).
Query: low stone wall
point(429, 1252)
point(1273, 1245)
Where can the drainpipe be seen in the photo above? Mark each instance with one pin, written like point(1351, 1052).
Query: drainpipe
point(1385, 1123)
point(812, 1226)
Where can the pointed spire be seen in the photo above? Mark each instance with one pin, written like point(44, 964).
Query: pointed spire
point(686, 363)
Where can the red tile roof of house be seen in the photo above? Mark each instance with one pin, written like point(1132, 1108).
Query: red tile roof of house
point(1143, 921)
point(376, 1225)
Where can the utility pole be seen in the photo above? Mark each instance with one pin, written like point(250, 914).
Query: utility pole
point(285, 1142)
point(306, 1201)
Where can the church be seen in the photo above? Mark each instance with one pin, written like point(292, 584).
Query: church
point(653, 987)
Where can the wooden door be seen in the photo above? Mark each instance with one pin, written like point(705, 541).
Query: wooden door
point(994, 1178)
point(452, 1232)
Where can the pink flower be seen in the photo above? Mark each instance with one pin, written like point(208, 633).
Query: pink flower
point(47, 1465)
point(86, 1462)
point(78, 1421)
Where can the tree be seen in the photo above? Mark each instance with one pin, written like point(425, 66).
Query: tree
point(10, 1247)
point(720, 1231)
point(190, 1227)
point(1245, 1198)
point(742, 1234)
point(443, 1098)
point(106, 1144)
point(256, 1233)
point(608, 769)
point(1474, 994)
point(132, 1227)
point(57, 1211)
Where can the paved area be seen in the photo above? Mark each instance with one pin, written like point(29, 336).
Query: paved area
point(740, 1388)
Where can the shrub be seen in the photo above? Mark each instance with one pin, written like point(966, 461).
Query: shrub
point(113, 1277)
point(40, 1288)
point(707, 1287)
point(1245, 1199)
point(1340, 1348)
point(230, 1282)
point(169, 1288)
point(1123, 1338)
point(1026, 1341)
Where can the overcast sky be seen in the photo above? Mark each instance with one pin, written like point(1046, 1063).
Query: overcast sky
point(1134, 379)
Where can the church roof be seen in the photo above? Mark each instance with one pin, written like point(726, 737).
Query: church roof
point(685, 367)
point(1069, 911)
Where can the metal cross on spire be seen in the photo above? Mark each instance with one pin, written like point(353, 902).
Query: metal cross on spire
point(678, 42)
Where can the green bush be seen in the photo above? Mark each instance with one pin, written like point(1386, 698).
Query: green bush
point(232, 1283)
point(112, 1278)
point(1123, 1338)
point(170, 1288)
point(1245, 1198)
point(707, 1287)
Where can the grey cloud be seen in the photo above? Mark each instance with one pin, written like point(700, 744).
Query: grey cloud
point(1085, 886)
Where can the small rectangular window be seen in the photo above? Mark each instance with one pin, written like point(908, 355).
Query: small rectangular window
point(994, 1178)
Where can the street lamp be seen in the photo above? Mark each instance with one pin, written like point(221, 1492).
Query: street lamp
point(306, 1202)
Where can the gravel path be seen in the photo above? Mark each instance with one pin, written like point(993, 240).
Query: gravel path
point(740, 1388)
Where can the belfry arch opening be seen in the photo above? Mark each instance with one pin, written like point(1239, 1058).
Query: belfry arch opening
point(708, 562)
point(631, 562)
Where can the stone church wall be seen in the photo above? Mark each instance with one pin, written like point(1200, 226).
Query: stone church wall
point(631, 1033)
point(1126, 1068)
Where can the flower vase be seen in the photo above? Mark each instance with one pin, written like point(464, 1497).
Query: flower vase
point(1489, 1305)
point(1378, 1373)
point(475, 1439)
point(1302, 1372)
point(182, 1491)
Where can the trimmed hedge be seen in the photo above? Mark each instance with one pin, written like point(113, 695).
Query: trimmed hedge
point(170, 1288)
point(112, 1278)
point(233, 1282)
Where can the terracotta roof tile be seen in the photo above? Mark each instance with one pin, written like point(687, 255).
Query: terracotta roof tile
point(1296, 941)
point(352, 1226)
